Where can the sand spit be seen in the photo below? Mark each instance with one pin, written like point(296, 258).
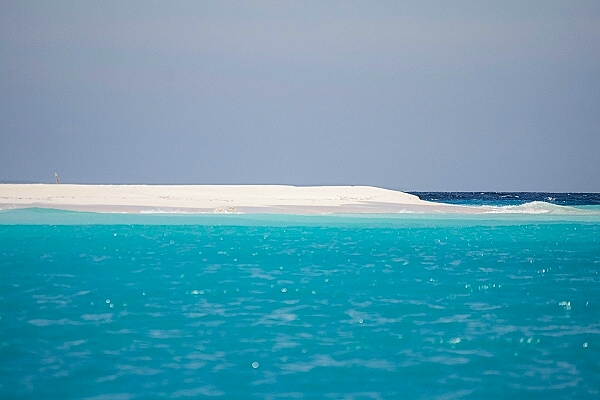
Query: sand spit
point(274, 199)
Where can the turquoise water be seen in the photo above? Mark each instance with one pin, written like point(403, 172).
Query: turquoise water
point(239, 306)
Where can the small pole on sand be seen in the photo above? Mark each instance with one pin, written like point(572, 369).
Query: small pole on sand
point(56, 178)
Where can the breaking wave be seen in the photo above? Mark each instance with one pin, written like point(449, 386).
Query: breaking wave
point(535, 207)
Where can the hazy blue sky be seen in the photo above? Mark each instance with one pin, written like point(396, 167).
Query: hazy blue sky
point(410, 95)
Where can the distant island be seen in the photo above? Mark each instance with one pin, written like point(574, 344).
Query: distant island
point(278, 199)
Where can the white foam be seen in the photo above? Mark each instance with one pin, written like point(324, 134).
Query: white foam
point(534, 207)
point(161, 211)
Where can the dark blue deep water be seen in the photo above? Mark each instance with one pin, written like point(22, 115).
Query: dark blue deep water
point(103, 306)
point(510, 198)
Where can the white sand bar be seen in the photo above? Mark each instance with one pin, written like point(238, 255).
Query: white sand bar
point(278, 199)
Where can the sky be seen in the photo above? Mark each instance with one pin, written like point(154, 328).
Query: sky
point(407, 95)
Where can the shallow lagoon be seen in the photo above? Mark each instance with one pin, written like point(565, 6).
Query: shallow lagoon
point(238, 306)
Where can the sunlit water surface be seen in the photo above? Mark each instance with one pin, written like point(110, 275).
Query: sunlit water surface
point(293, 307)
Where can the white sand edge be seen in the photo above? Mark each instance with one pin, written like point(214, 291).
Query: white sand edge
point(277, 199)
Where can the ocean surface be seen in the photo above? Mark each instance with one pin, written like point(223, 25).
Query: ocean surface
point(421, 306)
point(511, 198)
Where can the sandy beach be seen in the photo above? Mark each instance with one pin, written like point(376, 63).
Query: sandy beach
point(278, 199)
